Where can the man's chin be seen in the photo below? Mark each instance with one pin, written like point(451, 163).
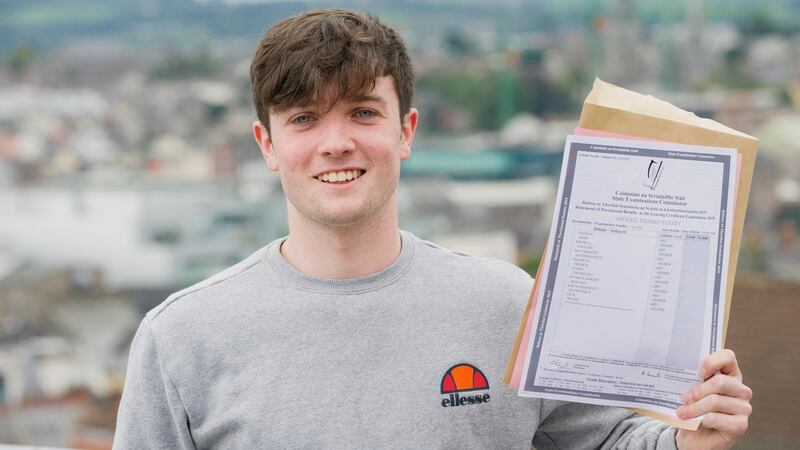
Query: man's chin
point(345, 215)
point(342, 221)
point(340, 218)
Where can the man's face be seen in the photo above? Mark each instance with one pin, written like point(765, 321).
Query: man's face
point(340, 165)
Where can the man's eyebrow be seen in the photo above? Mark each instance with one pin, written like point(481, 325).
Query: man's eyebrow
point(358, 98)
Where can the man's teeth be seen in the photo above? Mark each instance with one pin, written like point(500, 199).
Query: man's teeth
point(342, 175)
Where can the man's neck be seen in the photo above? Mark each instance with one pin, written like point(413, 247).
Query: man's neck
point(341, 253)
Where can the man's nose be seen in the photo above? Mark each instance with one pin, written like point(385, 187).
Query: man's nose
point(336, 139)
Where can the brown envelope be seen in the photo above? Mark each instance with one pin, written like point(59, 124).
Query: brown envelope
point(616, 110)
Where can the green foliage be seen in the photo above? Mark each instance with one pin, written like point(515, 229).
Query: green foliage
point(186, 66)
point(765, 20)
point(458, 43)
point(541, 96)
point(530, 263)
point(732, 73)
point(532, 57)
point(20, 57)
point(491, 97)
point(784, 96)
point(473, 93)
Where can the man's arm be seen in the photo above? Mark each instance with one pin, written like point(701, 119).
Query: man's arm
point(151, 414)
point(724, 400)
point(576, 425)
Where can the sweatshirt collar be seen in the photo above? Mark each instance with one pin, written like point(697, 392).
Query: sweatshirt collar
point(368, 283)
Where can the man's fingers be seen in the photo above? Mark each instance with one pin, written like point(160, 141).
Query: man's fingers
point(723, 361)
point(732, 426)
point(715, 403)
point(718, 384)
point(722, 399)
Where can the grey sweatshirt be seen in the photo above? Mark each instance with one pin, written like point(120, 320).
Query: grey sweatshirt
point(263, 356)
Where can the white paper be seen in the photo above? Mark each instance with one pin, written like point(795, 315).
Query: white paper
point(635, 273)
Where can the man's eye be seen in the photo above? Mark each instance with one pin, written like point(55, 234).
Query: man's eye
point(305, 118)
point(365, 113)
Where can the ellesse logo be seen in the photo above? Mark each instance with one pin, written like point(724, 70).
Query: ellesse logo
point(464, 378)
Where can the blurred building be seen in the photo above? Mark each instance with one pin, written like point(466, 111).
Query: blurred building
point(763, 333)
point(136, 237)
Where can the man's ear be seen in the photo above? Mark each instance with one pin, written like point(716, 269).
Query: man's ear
point(264, 142)
point(409, 127)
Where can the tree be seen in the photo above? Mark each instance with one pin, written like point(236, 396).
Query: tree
point(20, 58)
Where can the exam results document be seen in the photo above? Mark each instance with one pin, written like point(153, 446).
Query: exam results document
point(633, 280)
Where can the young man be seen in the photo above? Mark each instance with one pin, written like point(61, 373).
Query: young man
point(349, 333)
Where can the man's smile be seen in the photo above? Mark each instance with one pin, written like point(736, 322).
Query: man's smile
point(340, 176)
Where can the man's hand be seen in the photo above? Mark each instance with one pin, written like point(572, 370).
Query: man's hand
point(724, 400)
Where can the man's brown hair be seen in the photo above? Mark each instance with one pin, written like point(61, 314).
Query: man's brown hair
point(331, 52)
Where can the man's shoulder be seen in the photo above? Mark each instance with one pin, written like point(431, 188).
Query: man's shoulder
point(468, 266)
point(456, 278)
point(229, 281)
